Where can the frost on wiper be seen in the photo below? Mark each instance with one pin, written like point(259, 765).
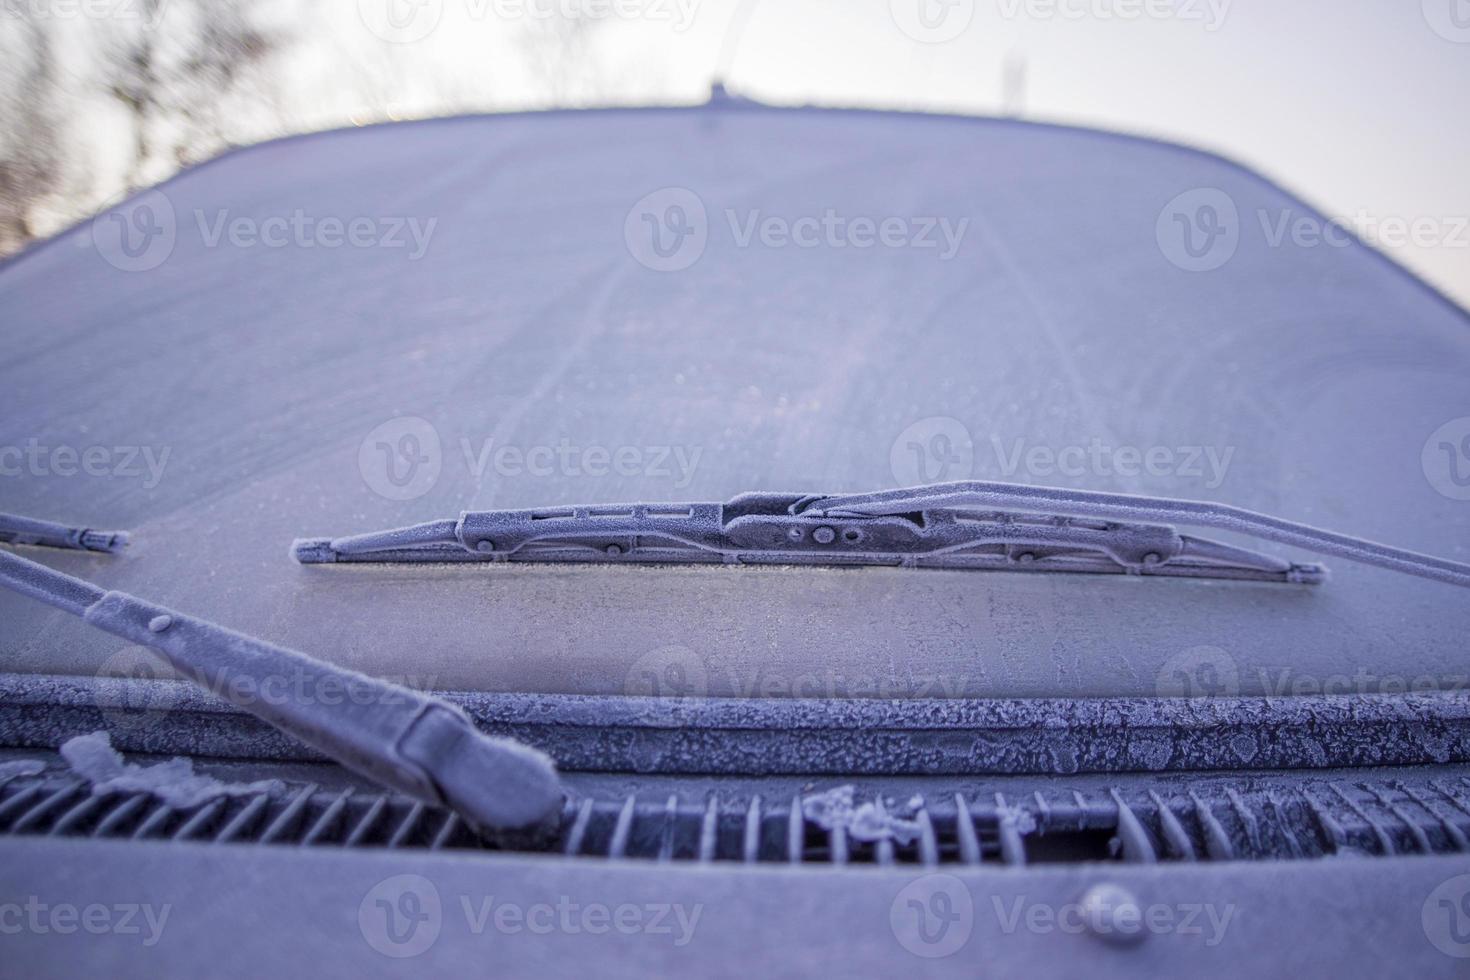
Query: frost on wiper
point(49, 534)
point(401, 738)
point(951, 525)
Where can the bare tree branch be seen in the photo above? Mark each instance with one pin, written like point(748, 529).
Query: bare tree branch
point(30, 161)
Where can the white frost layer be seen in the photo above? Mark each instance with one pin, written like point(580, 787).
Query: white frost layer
point(864, 822)
point(93, 758)
point(20, 767)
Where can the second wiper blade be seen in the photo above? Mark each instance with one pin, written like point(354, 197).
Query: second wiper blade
point(15, 529)
point(401, 738)
point(805, 529)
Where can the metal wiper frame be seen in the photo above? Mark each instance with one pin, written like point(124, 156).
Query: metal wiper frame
point(951, 525)
point(401, 738)
point(15, 529)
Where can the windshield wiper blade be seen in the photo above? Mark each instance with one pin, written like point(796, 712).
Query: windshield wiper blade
point(403, 739)
point(15, 529)
point(954, 525)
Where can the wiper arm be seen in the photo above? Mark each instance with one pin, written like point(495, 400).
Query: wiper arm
point(950, 525)
point(15, 529)
point(1126, 507)
point(403, 739)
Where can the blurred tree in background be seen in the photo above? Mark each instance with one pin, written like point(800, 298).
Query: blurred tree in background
point(100, 98)
point(28, 140)
point(95, 105)
point(173, 81)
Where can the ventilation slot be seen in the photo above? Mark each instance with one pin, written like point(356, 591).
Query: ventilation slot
point(1218, 822)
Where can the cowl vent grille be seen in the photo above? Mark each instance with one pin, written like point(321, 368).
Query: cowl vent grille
point(1178, 822)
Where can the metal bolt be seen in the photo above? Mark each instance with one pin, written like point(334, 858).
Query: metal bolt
point(824, 535)
point(1112, 914)
point(160, 623)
